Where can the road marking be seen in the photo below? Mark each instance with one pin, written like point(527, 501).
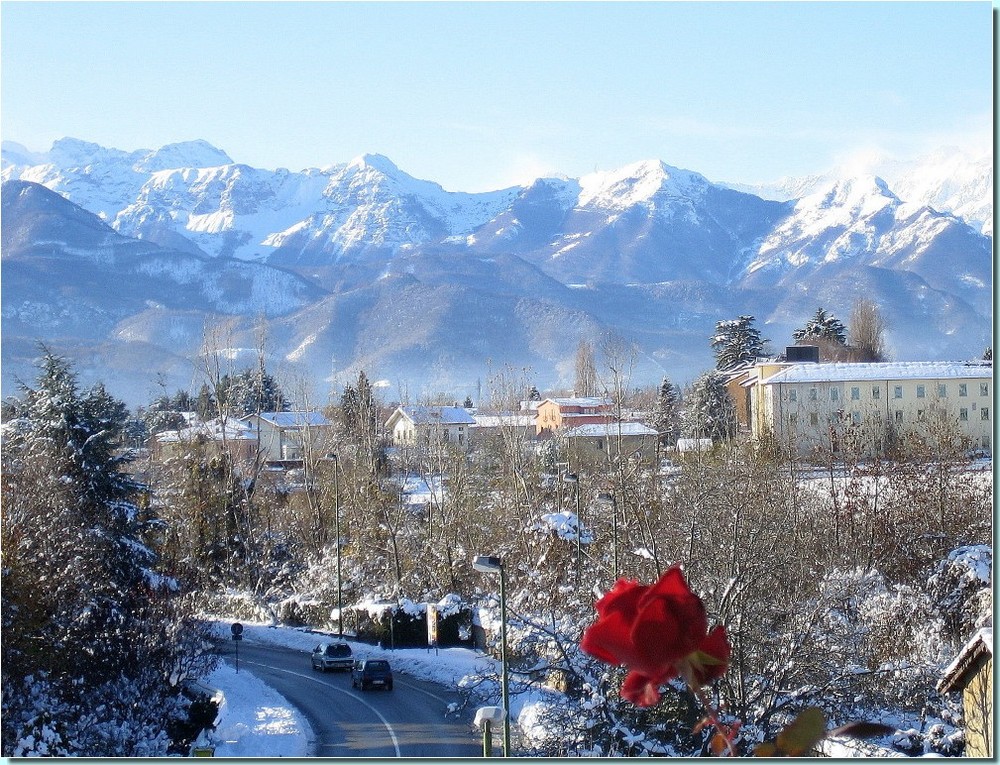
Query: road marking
point(356, 697)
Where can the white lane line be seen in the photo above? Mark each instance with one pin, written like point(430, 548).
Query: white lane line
point(388, 727)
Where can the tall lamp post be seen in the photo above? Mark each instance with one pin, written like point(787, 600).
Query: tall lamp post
point(490, 564)
point(574, 479)
point(331, 457)
point(610, 498)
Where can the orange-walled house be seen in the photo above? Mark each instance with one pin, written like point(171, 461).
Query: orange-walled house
point(556, 414)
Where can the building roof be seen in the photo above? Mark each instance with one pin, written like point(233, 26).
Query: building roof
point(235, 430)
point(981, 644)
point(516, 420)
point(292, 419)
point(437, 415)
point(579, 401)
point(893, 370)
point(610, 429)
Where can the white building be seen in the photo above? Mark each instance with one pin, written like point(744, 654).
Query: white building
point(288, 436)
point(825, 407)
point(427, 425)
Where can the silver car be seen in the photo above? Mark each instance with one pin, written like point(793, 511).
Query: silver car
point(332, 656)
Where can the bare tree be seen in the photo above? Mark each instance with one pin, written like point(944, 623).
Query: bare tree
point(585, 382)
point(867, 331)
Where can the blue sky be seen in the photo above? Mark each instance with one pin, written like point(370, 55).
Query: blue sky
point(480, 95)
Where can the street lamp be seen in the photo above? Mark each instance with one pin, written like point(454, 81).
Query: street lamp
point(490, 564)
point(331, 457)
point(606, 497)
point(575, 479)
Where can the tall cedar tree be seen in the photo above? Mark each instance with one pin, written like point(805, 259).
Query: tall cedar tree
point(736, 342)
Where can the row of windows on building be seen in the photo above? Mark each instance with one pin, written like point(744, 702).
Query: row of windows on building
point(897, 392)
point(856, 417)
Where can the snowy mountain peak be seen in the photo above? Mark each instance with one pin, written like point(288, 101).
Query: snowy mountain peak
point(857, 197)
point(186, 154)
point(377, 162)
point(638, 183)
point(72, 152)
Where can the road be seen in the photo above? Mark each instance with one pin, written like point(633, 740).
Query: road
point(408, 721)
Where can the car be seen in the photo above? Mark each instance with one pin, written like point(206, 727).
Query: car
point(332, 656)
point(369, 673)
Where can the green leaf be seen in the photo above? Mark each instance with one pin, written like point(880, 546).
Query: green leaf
point(802, 734)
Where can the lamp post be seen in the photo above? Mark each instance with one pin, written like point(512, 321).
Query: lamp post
point(331, 457)
point(606, 497)
point(490, 564)
point(573, 478)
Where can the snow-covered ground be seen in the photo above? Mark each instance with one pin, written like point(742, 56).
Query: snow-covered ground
point(256, 721)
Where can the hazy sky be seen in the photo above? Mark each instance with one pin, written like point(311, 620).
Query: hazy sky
point(480, 95)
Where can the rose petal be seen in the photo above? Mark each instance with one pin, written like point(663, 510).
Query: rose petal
point(640, 690)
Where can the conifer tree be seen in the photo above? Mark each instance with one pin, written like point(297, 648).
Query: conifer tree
point(736, 342)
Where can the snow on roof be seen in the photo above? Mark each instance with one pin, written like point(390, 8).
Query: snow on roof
point(893, 370)
point(608, 429)
point(980, 643)
point(432, 415)
point(235, 430)
point(580, 401)
point(293, 419)
point(510, 420)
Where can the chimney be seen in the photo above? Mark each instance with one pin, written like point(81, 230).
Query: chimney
point(802, 354)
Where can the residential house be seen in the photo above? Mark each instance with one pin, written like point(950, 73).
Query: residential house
point(556, 414)
point(289, 437)
point(614, 438)
point(813, 406)
point(430, 425)
point(521, 425)
point(971, 674)
point(234, 436)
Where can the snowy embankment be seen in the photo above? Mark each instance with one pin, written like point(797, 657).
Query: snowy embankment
point(254, 720)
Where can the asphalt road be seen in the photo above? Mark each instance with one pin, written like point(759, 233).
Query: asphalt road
point(408, 721)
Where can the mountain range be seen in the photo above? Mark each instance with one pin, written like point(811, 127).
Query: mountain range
point(144, 266)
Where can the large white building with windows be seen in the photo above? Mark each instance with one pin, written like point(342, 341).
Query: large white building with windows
point(812, 407)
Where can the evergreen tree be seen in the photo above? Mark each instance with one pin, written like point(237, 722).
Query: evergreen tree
point(534, 395)
point(710, 412)
point(822, 326)
point(467, 404)
point(93, 644)
point(736, 342)
point(666, 413)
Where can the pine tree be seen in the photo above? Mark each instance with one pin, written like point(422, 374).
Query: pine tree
point(666, 413)
point(822, 326)
point(87, 667)
point(736, 342)
point(710, 412)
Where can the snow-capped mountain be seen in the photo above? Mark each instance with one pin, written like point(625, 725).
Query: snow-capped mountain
point(360, 265)
point(948, 180)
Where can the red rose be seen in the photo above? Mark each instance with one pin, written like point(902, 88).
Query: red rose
point(659, 632)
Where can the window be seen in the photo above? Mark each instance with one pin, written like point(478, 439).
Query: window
point(876, 392)
point(856, 417)
point(920, 414)
point(812, 394)
point(834, 394)
point(855, 393)
point(793, 395)
point(792, 419)
point(963, 389)
point(813, 418)
point(986, 442)
point(899, 415)
point(897, 391)
point(984, 389)
point(921, 391)
point(984, 413)
point(942, 390)
point(963, 415)
point(600, 444)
